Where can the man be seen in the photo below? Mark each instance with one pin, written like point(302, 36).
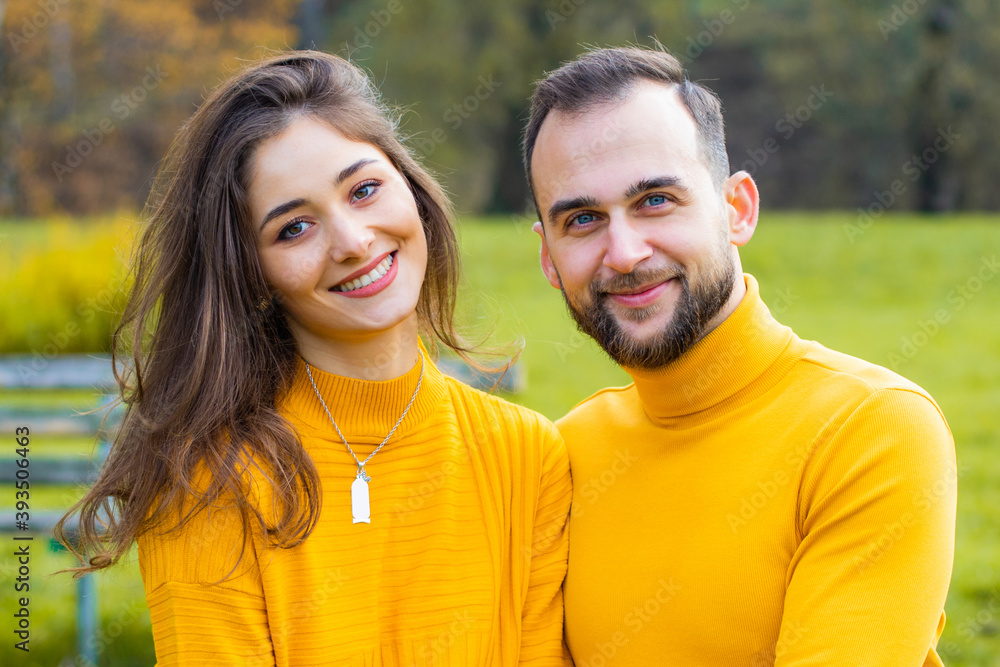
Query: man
point(752, 498)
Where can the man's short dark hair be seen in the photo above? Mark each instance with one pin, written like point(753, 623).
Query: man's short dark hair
point(608, 75)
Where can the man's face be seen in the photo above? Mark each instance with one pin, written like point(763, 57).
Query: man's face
point(634, 231)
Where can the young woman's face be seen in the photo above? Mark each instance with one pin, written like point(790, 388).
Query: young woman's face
point(338, 233)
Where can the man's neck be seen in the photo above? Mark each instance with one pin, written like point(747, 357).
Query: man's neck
point(744, 345)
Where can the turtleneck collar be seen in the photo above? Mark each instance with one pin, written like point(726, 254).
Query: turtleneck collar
point(748, 344)
point(365, 410)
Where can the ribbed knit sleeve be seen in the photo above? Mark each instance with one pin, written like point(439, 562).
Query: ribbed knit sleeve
point(868, 581)
point(206, 602)
point(522, 470)
point(542, 618)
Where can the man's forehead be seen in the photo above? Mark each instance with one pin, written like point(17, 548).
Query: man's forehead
point(649, 130)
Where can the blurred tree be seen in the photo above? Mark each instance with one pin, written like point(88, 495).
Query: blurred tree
point(467, 71)
point(827, 104)
point(92, 93)
point(900, 76)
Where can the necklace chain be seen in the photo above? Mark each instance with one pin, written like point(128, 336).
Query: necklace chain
point(361, 464)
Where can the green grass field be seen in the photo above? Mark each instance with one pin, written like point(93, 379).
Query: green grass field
point(872, 295)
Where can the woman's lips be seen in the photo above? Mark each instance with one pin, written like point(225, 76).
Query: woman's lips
point(378, 285)
point(360, 272)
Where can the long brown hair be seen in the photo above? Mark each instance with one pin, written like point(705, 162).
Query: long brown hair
point(205, 348)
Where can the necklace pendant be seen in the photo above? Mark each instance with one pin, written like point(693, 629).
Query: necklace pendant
point(360, 505)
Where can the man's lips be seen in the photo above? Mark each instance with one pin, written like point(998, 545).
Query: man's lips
point(640, 297)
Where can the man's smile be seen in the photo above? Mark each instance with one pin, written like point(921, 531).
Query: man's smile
point(641, 296)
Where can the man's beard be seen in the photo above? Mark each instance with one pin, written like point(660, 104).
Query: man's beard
point(694, 310)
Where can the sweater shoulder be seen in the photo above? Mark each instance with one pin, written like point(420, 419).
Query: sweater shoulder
point(610, 400)
point(855, 376)
point(516, 434)
point(499, 411)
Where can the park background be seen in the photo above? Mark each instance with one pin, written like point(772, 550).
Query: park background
point(870, 128)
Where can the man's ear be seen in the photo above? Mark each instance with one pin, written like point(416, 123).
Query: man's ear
point(743, 205)
point(548, 268)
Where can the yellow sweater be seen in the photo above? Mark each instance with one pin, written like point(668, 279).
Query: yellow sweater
point(462, 563)
point(762, 501)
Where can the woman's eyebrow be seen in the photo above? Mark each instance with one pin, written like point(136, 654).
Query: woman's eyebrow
point(346, 173)
point(353, 169)
point(280, 210)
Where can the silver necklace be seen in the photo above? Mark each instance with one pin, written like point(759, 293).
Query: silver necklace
point(360, 500)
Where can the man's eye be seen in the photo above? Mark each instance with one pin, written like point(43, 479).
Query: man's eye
point(583, 219)
point(656, 200)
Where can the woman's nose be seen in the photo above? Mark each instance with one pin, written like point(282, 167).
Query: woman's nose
point(350, 238)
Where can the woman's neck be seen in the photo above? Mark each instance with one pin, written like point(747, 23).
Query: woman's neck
point(381, 356)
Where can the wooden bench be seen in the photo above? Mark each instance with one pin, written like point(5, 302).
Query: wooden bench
point(69, 372)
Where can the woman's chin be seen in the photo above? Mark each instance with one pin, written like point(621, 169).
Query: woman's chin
point(385, 319)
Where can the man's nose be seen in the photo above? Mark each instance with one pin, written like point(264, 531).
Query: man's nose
point(626, 246)
point(350, 238)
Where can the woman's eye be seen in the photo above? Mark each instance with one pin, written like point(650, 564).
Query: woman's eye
point(656, 200)
point(364, 191)
point(288, 231)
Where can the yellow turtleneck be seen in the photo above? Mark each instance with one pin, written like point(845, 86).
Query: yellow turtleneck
point(461, 565)
point(761, 501)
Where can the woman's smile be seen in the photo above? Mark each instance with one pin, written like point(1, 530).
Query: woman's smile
point(371, 280)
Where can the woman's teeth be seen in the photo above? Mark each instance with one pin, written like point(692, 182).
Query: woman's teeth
point(368, 278)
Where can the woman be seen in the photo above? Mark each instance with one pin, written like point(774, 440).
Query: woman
point(305, 486)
